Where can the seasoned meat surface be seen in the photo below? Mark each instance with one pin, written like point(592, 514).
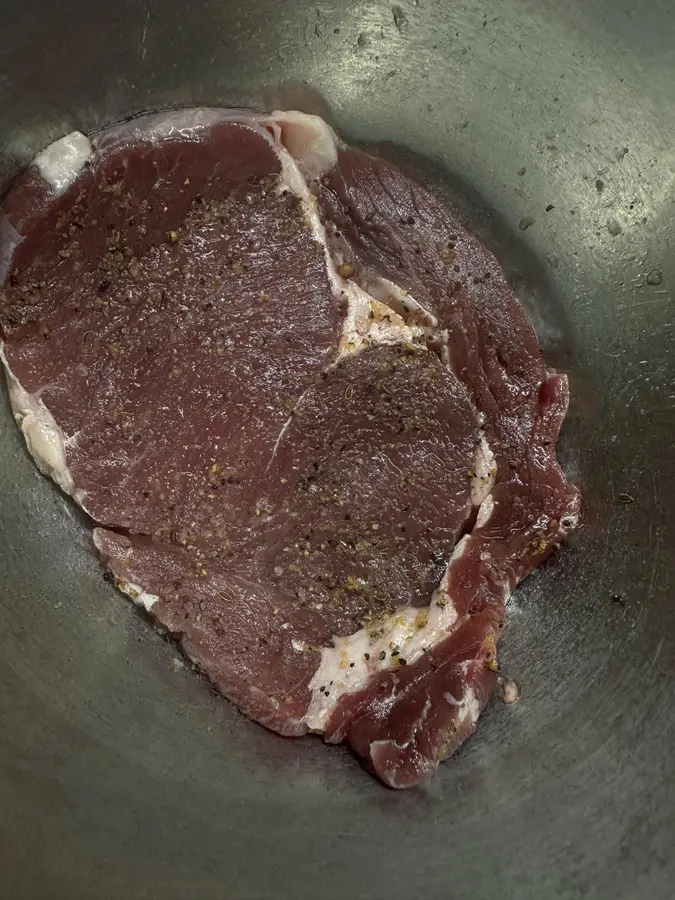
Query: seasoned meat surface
point(308, 418)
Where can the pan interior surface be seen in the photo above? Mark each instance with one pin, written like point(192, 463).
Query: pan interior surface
point(551, 128)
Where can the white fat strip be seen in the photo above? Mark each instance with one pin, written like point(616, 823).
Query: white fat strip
point(132, 590)
point(484, 472)
point(61, 162)
point(175, 123)
point(359, 329)
point(9, 241)
point(309, 139)
point(308, 149)
point(485, 512)
point(44, 438)
point(409, 630)
point(470, 707)
point(392, 295)
point(137, 594)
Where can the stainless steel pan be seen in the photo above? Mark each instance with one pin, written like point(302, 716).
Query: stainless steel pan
point(121, 775)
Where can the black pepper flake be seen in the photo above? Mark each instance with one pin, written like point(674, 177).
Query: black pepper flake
point(382, 654)
point(366, 655)
point(351, 665)
point(395, 652)
point(401, 661)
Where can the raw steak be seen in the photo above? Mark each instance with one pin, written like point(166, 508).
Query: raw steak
point(304, 410)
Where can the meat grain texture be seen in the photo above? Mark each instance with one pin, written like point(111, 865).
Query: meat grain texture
point(307, 416)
